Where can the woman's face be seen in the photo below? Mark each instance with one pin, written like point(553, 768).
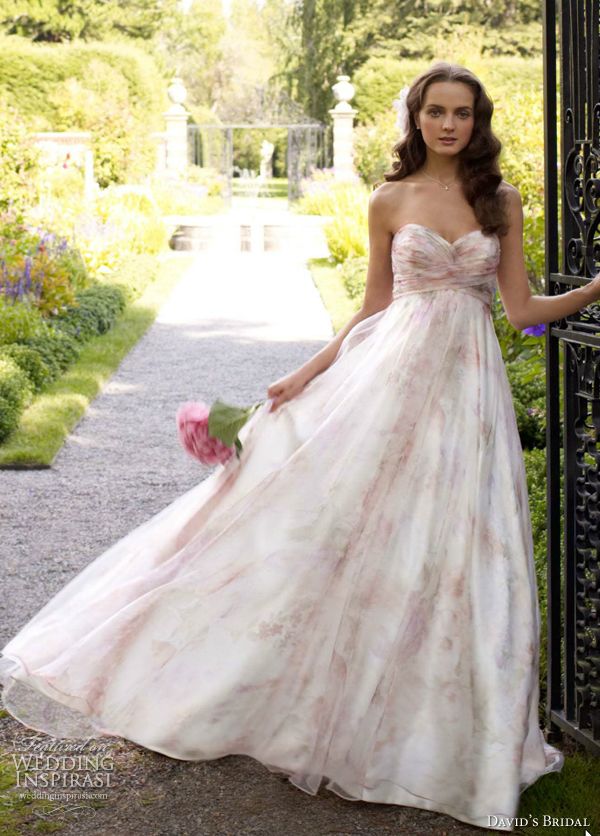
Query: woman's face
point(446, 118)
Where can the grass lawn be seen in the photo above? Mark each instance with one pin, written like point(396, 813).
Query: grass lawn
point(573, 793)
point(54, 412)
point(333, 293)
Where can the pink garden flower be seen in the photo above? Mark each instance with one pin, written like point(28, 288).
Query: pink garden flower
point(192, 427)
point(225, 421)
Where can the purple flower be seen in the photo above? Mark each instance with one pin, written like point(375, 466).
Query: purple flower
point(535, 330)
point(534, 411)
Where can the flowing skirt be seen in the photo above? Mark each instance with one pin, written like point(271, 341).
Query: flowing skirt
point(354, 600)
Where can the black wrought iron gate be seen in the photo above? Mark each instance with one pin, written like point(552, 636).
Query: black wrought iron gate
point(573, 369)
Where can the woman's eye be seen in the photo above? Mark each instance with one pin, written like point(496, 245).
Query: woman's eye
point(463, 114)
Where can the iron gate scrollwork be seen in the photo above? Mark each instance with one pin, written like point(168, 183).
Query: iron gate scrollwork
point(573, 448)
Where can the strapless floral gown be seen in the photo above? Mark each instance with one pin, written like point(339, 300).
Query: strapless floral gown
point(353, 601)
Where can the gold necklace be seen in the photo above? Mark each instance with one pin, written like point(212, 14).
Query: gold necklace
point(443, 185)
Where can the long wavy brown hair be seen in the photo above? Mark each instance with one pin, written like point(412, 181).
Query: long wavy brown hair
point(478, 168)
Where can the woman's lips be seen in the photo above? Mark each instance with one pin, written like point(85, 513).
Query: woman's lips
point(448, 140)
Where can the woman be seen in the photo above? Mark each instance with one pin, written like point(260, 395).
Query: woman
point(354, 598)
point(446, 177)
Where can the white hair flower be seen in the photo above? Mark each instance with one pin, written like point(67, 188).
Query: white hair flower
point(399, 105)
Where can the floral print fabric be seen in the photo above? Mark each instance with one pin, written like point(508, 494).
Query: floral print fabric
point(354, 600)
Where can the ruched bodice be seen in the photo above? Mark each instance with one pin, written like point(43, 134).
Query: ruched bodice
point(423, 260)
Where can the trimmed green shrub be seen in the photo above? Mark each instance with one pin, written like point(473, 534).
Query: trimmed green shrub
point(378, 81)
point(96, 309)
point(15, 392)
point(30, 71)
point(107, 301)
point(77, 321)
point(57, 348)
point(18, 321)
point(31, 362)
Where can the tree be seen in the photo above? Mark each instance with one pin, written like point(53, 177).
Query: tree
point(68, 20)
point(334, 36)
point(190, 45)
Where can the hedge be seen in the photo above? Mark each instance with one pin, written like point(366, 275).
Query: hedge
point(27, 366)
point(29, 72)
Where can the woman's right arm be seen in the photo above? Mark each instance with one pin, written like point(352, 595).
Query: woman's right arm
point(377, 296)
point(523, 308)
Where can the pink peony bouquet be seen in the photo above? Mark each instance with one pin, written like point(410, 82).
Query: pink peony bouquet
point(210, 434)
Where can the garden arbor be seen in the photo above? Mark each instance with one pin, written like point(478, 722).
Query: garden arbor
point(307, 148)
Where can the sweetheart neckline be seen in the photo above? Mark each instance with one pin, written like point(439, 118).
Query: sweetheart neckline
point(441, 237)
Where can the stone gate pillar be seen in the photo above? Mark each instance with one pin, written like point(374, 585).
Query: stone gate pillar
point(343, 128)
point(176, 136)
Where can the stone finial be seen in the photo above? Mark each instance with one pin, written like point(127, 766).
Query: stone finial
point(343, 92)
point(176, 92)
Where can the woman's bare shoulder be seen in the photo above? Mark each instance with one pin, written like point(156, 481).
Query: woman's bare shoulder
point(511, 192)
point(513, 206)
point(389, 195)
point(391, 187)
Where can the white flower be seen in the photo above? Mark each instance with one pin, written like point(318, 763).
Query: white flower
point(399, 105)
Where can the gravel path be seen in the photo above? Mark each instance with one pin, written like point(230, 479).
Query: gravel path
point(234, 324)
point(230, 328)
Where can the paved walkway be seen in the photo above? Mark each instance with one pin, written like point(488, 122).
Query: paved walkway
point(234, 324)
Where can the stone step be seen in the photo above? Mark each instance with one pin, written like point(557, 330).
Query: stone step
point(248, 235)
